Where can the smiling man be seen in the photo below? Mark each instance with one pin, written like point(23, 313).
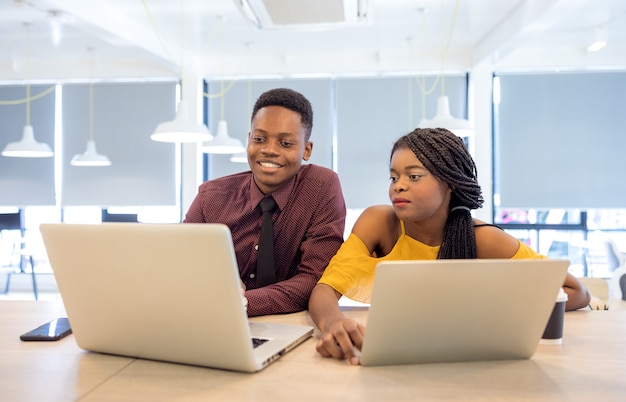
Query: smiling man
point(309, 216)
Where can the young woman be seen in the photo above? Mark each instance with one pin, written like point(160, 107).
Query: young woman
point(433, 189)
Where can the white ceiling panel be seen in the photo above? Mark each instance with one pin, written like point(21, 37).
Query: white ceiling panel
point(48, 39)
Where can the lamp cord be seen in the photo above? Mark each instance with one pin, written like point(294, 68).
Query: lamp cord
point(28, 104)
point(27, 75)
point(221, 70)
point(223, 88)
point(182, 38)
point(222, 100)
point(90, 94)
point(91, 111)
point(445, 42)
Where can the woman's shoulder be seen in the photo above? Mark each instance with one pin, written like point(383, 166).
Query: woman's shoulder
point(493, 242)
point(377, 215)
point(377, 225)
point(479, 224)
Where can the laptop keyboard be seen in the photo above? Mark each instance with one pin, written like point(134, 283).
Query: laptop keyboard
point(258, 342)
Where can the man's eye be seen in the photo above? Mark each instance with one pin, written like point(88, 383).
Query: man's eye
point(257, 139)
point(286, 144)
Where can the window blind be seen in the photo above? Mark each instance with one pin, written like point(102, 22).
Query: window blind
point(27, 181)
point(559, 140)
point(143, 172)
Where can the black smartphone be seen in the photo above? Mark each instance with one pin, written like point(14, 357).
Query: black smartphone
point(50, 331)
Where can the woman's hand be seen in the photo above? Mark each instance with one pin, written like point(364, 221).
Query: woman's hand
point(342, 339)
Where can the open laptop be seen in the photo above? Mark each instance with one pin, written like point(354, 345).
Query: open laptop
point(459, 310)
point(167, 292)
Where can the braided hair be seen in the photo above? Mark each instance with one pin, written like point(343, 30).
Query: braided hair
point(446, 157)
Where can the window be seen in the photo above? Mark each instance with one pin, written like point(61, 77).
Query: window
point(557, 164)
point(356, 122)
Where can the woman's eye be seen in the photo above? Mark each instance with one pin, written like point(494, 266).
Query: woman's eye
point(414, 177)
point(393, 179)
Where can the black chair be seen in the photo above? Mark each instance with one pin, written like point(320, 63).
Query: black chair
point(107, 217)
point(11, 221)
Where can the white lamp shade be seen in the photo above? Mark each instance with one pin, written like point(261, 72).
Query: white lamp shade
point(181, 129)
point(443, 119)
point(222, 143)
point(28, 147)
point(240, 157)
point(91, 157)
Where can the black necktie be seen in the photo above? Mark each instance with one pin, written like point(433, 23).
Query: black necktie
point(265, 274)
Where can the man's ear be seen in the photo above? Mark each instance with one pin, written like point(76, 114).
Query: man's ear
point(308, 148)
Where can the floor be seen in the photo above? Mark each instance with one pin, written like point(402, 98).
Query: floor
point(18, 295)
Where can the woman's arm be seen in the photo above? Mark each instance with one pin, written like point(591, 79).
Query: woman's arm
point(340, 335)
point(577, 294)
point(492, 242)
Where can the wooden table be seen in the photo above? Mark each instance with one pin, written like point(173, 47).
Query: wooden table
point(589, 366)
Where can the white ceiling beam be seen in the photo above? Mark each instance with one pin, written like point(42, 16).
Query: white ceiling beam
point(500, 41)
point(111, 20)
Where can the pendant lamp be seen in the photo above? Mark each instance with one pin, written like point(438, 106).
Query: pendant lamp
point(90, 157)
point(444, 119)
point(181, 129)
point(28, 147)
point(242, 157)
point(222, 143)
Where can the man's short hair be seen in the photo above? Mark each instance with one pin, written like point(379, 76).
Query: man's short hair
point(289, 99)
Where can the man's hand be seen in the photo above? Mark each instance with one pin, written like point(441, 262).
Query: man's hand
point(243, 294)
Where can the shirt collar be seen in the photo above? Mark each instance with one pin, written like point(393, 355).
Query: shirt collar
point(281, 196)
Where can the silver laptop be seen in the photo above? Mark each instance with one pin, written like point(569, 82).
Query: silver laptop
point(167, 292)
point(459, 310)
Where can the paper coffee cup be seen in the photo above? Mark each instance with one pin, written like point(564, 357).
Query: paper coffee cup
point(553, 334)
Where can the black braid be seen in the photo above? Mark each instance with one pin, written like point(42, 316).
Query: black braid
point(446, 157)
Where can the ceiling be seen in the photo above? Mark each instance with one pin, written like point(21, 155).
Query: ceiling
point(49, 39)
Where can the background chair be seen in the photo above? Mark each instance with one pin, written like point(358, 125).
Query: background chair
point(617, 283)
point(615, 258)
point(11, 233)
point(108, 217)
